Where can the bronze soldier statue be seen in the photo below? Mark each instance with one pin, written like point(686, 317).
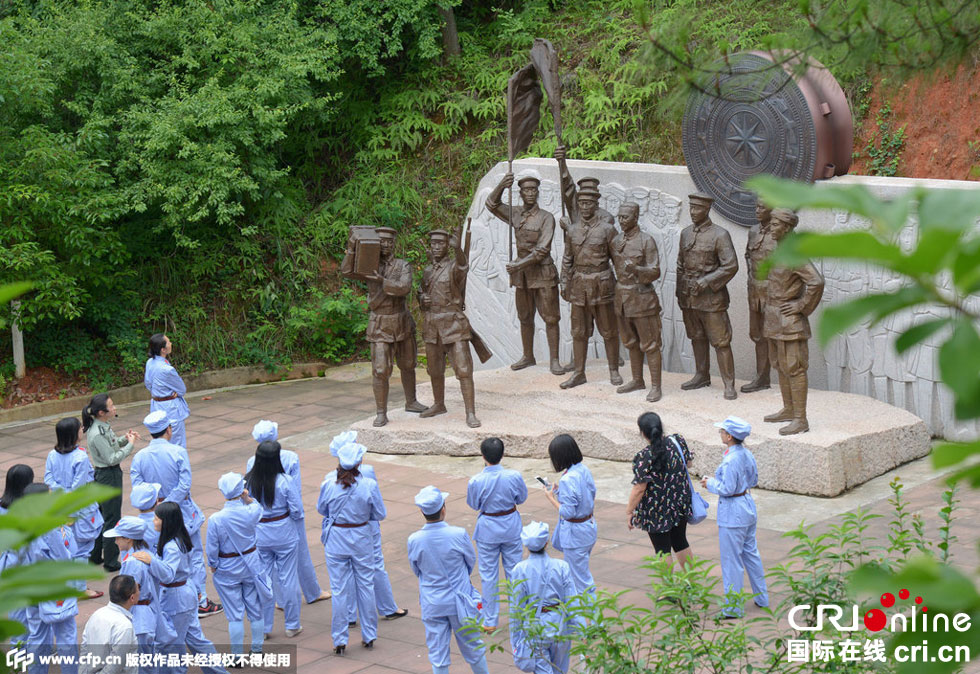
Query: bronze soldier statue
point(637, 306)
point(706, 262)
point(391, 328)
point(791, 296)
point(532, 274)
point(588, 283)
point(445, 328)
point(758, 248)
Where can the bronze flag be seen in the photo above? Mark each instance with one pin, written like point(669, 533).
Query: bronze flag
point(545, 61)
point(523, 109)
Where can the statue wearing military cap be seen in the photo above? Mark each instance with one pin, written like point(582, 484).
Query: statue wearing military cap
point(757, 249)
point(791, 296)
point(533, 274)
point(445, 328)
point(391, 328)
point(588, 282)
point(706, 262)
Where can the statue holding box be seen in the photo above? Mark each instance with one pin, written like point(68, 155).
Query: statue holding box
point(391, 328)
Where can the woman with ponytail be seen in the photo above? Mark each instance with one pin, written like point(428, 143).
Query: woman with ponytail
point(68, 468)
point(106, 452)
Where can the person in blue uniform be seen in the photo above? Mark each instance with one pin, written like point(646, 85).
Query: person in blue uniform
point(539, 625)
point(52, 625)
point(349, 502)
point(68, 468)
point(574, 498)
point(733, 479)
point(442, 558)
point(164, 463)
point(384, 597)
point(152, 627)
point(19, 477)
point(166, 387)
point(268, 483)
point(145, 497)
point(178, 599)
point(236, 571)
point(268, 431)
point(495, 494)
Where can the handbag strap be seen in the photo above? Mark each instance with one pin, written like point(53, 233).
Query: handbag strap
point(680, 453)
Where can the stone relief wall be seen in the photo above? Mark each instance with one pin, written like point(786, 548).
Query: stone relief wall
point(862, 361)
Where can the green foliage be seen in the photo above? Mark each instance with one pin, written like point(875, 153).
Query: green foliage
point(885, 147)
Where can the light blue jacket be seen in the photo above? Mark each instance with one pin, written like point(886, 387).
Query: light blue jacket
point(736, 474)
point(281, 532)
point(442, 557)
point(361, 502)
point(69, 472)
point(495, 490)
point(576, 496)
point(162, 380)
point(167, 465)
point(233, 530)
point(176, 568)
point(290, 464)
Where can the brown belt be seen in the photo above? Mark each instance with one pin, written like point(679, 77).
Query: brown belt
point(513, 509)
point(348, 525)
point(274, 519)
point(549, 608)
point(226, 555)
point(577, 520)
point(165, 399)
point(741, 493)
point(144, 602)
point(180, 584)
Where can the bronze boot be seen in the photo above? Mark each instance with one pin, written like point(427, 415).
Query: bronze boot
point(580, 348)
point(653, 359)
point(469, 401)
point(438, 398)
point(762, 368)
point(615, 360)
point(726, 366)
point(701, 377)
point(380, 386)
point(798, 392)
point(785, 414)
point(636, 365)
point(527, 344)
point(554, 340)
point(412, 403)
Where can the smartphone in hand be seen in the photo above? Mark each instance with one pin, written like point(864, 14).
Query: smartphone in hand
point(544, 482)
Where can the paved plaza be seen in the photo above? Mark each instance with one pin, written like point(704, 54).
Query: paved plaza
point(310, 411)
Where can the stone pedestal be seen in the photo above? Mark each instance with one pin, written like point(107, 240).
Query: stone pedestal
point(853, 438)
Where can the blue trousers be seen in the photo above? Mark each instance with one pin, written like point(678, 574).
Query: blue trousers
point(48, 637)
point(178, 435)
point(239, 597)
point(740, 554)
point(189, 634)
point(199, 574)
point(578, 562)
point(308, 583)
point(281, 564)
point(438, 630)
point(384, 597)
point(489, 556)
point(352, 582)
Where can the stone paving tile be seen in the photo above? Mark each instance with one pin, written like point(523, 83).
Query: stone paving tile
point(219, 434)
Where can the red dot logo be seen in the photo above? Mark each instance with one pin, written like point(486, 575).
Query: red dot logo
point(875, 620)
point(903, 594)
point(888, 600)
point(918, 600)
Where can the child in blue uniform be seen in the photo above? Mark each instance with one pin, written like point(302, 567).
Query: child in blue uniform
point(145, 497)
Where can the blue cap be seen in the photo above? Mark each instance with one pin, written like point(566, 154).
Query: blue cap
point(144, 495)
point(128, 527)
point(350, 454)
point(430, 500)
point(535, 536)
point(156, 422)
point(231, 485)
point(339, 441)
point(736, 427)
point(265, 430)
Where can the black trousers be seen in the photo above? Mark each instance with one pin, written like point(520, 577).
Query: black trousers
point(105, 550)
point(676, 538)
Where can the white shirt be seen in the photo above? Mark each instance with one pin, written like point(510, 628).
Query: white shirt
point(108, 632)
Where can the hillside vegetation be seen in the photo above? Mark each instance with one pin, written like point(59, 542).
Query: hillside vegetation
point(194, 167)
